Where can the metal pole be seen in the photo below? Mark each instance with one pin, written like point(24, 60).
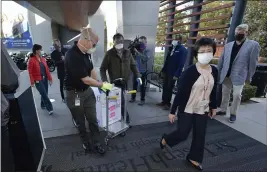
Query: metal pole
point(189, 59)
point(170, 29)
point(237, 18)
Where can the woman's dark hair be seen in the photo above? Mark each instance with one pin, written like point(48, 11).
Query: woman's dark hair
point(117, 36)
point(35, 48)
point(204, 41)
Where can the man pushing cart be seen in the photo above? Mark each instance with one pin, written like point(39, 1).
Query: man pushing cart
point(119, 63)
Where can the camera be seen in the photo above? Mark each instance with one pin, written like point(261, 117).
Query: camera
point(134, 44)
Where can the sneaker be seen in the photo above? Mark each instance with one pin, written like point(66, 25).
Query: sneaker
point(221, 113)
point(132, 100)
point(232, 118)
point(87, 147)
point(50, 112)
point(141, 103)
point(160, 104)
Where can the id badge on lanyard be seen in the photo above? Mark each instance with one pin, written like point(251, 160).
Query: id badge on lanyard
point(77, 100)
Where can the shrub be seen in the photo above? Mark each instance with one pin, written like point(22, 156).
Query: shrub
point(248, 92)
point(158, 62)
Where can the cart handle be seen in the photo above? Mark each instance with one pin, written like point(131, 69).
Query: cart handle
point(131, 92)
point(113, 97)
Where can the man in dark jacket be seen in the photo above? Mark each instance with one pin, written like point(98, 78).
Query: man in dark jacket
point(119, 63)
point(172, 70)
point(58, 56)
point(142, 56)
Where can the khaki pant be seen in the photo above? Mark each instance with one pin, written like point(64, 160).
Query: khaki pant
point(85, 112)
point(237, 95)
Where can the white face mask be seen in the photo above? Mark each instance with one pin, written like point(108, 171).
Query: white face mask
point(42, 52)
point(204, 58)
point(119, 46)
point(174, 42)
point(92, 50)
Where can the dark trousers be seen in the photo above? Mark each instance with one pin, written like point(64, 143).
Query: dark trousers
point(61, 83)
point(185, 123)
point(168, 84)
point(86, 110)
point(142, 87)
point(123, 107)
point(42, 87)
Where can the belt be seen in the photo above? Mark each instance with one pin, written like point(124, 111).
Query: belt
point(77, 90)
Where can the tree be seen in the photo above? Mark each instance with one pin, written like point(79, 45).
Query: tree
point(256, 18)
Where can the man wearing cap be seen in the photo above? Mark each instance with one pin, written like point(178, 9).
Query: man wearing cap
point(119, 63)
point(79, 76)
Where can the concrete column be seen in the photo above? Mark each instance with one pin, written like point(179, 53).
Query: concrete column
point(40, 30)
point(137, 18)
point(97, 23)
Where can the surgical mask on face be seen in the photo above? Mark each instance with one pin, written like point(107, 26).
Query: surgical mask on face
point(119, 46)
point(239, 37)
point(42, 52)
point(92, 50)
point(204, 58)
point(174, 42)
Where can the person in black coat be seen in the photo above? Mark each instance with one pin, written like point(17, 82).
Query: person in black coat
point(196, 102)
point(58, 56)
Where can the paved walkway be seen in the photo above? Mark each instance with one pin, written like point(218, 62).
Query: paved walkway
point(252, 118)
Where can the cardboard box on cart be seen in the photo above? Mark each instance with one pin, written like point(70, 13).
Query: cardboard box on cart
point(114, 106)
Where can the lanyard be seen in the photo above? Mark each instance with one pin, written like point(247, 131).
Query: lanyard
point(205, 86)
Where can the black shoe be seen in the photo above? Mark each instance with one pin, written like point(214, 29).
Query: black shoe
point(132, 100)
point(167, 107)
point(141, 103)
point(221, 113)
point(160, 104)
point(160, 143)
point(198, 167)
point(99, 149)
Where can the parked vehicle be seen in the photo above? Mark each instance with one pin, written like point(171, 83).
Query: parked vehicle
point(51, 64)
point(20, 60)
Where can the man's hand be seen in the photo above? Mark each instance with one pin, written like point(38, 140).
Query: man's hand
point(139, 80)
point(50, 82)
point(175, 78)
point(106, 86)
point(212, 113)
point(62, 57)
point(172, 118)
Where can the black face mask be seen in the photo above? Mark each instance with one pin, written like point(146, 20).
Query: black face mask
point(239, 37)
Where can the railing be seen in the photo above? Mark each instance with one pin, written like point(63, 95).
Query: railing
point(214, 20)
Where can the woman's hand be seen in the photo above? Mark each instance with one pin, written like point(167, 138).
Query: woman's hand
point(172, 118)
point(50, 82)
point(212, 113)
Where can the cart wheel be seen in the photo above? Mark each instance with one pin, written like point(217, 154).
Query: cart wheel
point(122, 134)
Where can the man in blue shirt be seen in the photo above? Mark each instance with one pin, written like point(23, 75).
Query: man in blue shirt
point(142, 56)
point(172, 70)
